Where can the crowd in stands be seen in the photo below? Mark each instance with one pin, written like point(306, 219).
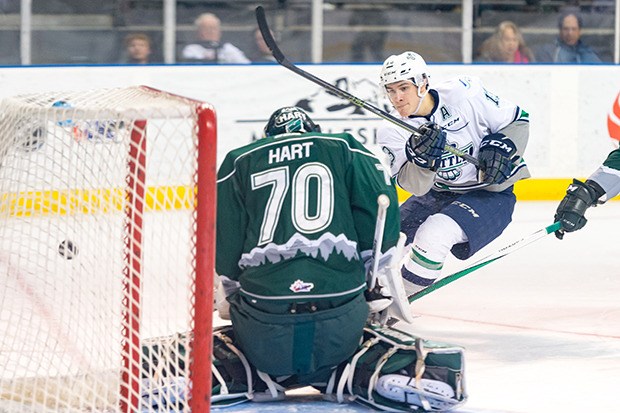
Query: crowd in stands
point(372, 34)
point(506, 45)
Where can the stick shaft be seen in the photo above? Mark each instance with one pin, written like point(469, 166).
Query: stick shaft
point(282, 60)
point(502, 252)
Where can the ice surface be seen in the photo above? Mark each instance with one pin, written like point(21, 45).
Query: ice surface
point(541, 326)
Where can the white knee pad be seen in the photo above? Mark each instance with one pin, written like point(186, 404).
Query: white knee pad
point(436, 236)
point(431, 245)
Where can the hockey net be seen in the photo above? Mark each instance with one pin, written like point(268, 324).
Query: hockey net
point(107, 209)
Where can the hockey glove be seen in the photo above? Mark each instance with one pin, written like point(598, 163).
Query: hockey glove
point(425, 148)
point(579, 197)
point(496, 157)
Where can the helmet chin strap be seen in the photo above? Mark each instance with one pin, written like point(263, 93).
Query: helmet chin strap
point(421, 96)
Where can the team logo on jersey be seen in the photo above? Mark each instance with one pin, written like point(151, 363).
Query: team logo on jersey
point(300, 286)
point(451, 165)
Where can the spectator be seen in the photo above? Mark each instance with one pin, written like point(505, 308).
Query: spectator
point(568, 47)
point(506, 45)
point(209, 48)
point(373, 41)
point(260, 52)
point(137, 49)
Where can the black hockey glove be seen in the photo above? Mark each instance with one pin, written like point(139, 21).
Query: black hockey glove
point(579, 197)
point(496, 158)
point(425, 148)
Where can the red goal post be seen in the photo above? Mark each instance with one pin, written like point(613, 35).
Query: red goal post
point(107, 251)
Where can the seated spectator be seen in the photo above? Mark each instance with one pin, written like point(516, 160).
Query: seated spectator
point(137, 49)
point(209, 48)
point(506, 45)
point(260, 52)
point(568, 47)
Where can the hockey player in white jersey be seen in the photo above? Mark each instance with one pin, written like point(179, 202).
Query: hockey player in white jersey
point(456, 207)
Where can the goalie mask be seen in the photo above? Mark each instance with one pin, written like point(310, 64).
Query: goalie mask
point(406, 66)
point(290, 119)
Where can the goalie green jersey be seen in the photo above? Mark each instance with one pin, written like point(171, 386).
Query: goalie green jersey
point(296, 216)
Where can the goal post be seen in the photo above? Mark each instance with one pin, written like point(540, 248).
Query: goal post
point(107, 251)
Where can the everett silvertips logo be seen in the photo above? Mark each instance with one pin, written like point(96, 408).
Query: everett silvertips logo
point(300, 286)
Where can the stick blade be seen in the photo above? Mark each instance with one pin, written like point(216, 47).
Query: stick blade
point(261, 20)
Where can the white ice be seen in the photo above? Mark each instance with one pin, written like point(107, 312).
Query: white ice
point(541, 326)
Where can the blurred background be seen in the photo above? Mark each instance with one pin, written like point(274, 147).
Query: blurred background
point(49, 32)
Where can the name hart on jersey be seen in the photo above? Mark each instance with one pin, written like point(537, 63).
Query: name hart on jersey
point(289, 152)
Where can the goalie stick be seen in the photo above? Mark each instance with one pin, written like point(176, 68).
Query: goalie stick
point(502, 252)
point(383, 202)
point(282, 60)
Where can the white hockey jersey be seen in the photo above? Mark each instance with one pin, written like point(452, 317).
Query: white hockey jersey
point(467, 112)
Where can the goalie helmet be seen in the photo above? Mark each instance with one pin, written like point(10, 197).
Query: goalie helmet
point(405, 66)
point(290, 119)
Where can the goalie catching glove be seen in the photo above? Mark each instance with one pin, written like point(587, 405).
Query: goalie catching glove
point(497, 157)
point(425, 148)
point(579, 197)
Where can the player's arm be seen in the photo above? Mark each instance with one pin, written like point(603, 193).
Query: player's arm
point(601, 186)
point(367, 179)
point(502, 149)
point(413, 158)
point(231, 222)
point(608, 175)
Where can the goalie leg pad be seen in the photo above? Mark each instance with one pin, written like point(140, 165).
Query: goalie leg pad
point(234, 379)
point(396, 371)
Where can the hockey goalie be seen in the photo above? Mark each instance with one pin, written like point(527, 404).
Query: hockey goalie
point(296, 225)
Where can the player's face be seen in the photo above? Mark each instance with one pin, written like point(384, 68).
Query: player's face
point(404, 97)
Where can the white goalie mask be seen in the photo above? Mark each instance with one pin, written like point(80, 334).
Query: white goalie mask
point(405, 66)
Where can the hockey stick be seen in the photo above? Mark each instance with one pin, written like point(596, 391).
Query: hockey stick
point(508, 249)
point(282, 60)
point(502, 252)
point(383, 203)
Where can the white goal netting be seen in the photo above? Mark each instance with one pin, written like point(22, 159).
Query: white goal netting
point(106, 216)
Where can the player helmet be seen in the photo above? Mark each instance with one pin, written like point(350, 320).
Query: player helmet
point(405, 66)
point(290, 119)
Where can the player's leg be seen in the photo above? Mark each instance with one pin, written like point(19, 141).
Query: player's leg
point(483, 216)
point(429, 238)
point(431, 245)
point(463, 226)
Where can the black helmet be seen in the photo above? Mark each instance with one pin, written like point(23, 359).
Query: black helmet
point(290, 119)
